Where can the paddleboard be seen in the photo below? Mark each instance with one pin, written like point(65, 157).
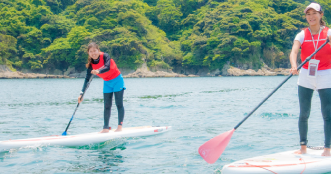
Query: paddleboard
point(83, 139)
point(281, 163)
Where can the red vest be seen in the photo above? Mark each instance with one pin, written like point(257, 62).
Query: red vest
point(109, 75)
point(307, 48)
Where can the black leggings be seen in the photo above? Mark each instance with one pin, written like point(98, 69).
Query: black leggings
point(108, 99)
point(305, 96)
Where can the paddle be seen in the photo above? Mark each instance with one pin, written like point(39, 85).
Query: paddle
point(211, 150)
point(87, 85)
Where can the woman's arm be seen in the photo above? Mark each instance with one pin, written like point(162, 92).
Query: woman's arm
point(293, 56)
point(106, 67)
point(87, 79)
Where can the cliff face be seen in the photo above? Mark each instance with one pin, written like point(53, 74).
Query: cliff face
point(4, 68)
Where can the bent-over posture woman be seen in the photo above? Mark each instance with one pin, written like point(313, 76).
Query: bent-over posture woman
point(102, 65)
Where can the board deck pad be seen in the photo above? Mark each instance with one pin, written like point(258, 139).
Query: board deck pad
point(83, 139)
point(282, 163)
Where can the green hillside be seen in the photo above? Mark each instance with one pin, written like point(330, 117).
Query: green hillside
point(178, 34)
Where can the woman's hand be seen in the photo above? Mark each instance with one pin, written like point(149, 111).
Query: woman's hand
point(95, 72)
point(294, 70)
point(80, 99)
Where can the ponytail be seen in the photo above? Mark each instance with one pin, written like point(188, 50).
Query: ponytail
point(322, 23)
point(89, 60)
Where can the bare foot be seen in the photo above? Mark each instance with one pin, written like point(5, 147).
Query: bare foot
point(104, 131)
point(119, 128)
point(326, 152)
point(303, 150)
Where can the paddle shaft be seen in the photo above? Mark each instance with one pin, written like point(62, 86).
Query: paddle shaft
point(88, 84)
point(281, 84)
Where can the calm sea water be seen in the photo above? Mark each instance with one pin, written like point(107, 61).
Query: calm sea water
point(198, 109)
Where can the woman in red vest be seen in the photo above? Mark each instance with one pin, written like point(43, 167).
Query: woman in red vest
point(102, 65)
point(314, 75)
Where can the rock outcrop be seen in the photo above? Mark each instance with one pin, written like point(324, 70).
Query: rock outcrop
point(6, 73)
point(232, 71)
point(146, 73)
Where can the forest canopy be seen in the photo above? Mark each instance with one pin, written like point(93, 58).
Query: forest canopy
point(173, 34)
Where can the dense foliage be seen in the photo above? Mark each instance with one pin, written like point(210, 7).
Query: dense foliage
point(178, 34)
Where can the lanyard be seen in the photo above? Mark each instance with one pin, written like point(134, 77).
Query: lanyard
point(318, 39)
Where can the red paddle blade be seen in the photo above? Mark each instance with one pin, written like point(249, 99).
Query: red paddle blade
point(213, 149)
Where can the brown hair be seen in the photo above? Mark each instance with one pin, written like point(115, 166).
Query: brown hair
point(322, 22)
point(89, 59)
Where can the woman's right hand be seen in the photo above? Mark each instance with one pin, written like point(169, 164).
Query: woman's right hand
point(80, 99)
point(294, 70)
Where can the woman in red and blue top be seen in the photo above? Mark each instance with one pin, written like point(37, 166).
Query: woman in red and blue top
point(102, 65)
point(314, 75)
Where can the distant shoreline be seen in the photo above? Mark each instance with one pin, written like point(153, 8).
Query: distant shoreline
point(20, 75)
point(144, 73)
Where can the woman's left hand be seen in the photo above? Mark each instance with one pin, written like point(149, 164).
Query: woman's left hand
point(95, 72)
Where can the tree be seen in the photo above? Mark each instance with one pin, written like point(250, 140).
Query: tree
point(7, 49)
point(169, 15)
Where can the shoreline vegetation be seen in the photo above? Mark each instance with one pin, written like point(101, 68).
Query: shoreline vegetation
point(144, 72)
point(173, 38)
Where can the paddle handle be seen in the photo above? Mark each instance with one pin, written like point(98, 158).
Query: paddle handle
point(281, 84)
point(88, 84)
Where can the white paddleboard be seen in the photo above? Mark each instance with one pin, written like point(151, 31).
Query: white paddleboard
point(82, 139)
point(282, 163)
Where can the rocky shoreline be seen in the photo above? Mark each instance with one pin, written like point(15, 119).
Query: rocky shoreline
point(143, 72)
point(6, 73)
point(232, 71)
point(20, 75)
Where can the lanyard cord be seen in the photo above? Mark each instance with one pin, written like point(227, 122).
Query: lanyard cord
point(318, 39)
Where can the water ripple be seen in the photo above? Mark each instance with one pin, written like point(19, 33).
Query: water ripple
point(198, 109)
